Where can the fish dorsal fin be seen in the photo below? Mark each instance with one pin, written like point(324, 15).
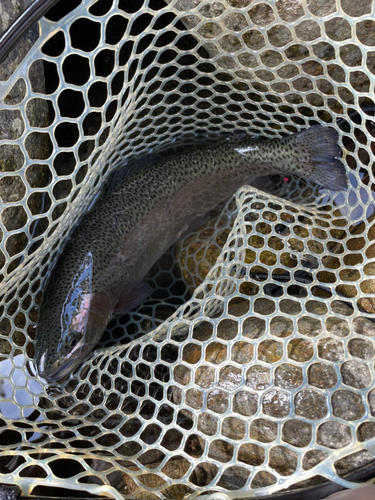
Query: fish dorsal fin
point(132, 169)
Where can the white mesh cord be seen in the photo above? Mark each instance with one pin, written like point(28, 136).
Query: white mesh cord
point(250, 368)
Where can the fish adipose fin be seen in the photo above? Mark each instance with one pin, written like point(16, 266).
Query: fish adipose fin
point(132, 296)
point(324, 167)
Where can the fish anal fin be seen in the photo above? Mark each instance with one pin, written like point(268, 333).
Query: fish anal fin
point(132, 296)
point(192, 223)
point(197, 222)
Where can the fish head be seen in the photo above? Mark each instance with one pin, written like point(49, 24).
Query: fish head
point(72, 321)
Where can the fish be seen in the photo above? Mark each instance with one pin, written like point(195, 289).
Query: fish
point(141, 213)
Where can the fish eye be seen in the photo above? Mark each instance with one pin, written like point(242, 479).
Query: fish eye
point(71, 339)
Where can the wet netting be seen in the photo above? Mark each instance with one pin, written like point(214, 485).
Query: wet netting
point(250, 368)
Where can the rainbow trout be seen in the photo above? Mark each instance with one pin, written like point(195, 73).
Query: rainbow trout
point(104, 262)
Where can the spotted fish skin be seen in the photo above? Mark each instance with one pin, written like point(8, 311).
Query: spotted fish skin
point(133, 223)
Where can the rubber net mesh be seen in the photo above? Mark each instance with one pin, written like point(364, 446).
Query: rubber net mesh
point(250, 368)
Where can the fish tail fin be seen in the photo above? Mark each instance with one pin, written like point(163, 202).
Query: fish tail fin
point(324, 166)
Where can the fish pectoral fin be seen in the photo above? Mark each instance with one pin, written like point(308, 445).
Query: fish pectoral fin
point(132, 296)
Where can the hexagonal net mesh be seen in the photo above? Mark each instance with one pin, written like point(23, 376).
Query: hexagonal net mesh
point(250, 367)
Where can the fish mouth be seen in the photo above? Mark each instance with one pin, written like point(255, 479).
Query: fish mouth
point(56, 373)
point(59, 370)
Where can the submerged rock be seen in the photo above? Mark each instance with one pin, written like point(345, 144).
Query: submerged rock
point(12, 126)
